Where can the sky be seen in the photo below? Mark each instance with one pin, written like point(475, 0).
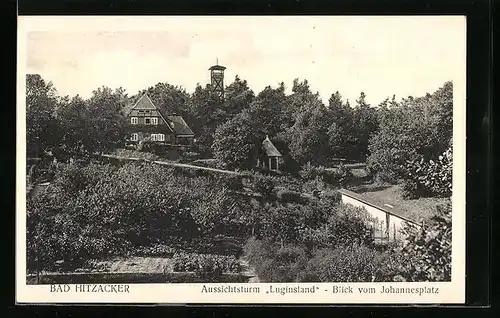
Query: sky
point(380, 56)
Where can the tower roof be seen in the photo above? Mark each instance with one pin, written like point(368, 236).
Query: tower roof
point(217, 68)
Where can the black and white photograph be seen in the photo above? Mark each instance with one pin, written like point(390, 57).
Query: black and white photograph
point(249, 151)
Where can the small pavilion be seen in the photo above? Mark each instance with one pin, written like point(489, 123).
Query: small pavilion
point(269, 156)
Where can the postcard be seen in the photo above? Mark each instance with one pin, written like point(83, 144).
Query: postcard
point(241, 159)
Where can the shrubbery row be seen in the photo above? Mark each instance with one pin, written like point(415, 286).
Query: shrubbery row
point(205, 263)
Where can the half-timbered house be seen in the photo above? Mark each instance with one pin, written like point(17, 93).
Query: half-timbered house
point(146, 122)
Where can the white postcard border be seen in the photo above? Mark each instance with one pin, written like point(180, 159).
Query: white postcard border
point(449, 292)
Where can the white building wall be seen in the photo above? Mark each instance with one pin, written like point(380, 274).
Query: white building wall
point(395, 223)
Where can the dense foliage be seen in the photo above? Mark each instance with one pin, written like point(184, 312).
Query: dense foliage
point(299, 230)
point(309, 245)
point(235, 143)
point(339, 176)
point(41, 126)
point(415, 129)
point(109, 209)
point(205, 263)
point(303, 128)
point(427, 251)
point(430, 178)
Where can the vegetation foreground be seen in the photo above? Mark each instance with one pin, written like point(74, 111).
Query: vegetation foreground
point(289, 226)
point(204, 223)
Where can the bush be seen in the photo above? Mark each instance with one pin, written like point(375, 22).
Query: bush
point(263, 185)
point(343, 263)
point(309, 172)
point(332, 195)
point(424, 178)
point(232, 182)
point(190, 156)
point(427, 251)
point(345, 225)
point(314, 185)
point(135, 154)
point(350, 263)
point(290, 196)
point(255, 252)
point(410, 190)
point(339, 176)
point(274, 264)
point(156, 250)
point(213, 209)
point(205, 263)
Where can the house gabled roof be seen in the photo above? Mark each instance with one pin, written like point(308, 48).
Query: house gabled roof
point(143, 103)
point(269, 148)
point(179, 126)
point(146, 103)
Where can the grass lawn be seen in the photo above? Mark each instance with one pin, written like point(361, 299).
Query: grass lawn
point(419, 210)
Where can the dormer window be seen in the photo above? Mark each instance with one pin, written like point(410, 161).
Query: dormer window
point(154, 121)
point(134, 120)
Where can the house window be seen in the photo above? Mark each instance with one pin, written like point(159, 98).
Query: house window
point(154, 137)
point(147, 121)
point(134, 120)
point(134, 137)
point(161, 137)
point(154, 121)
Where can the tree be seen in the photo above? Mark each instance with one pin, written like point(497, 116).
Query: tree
point(300, 99)
point(415, 129)
point(366, 123)
point(41, 101)
point(204, 115)
point(266, 110)
point(235, 143)
point(106, 122)
point(238, 96)
point(307, 136)
point(168, 98)
point(341, 137)
point(74, 121)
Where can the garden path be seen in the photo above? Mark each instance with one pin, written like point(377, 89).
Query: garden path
point(175, 164)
